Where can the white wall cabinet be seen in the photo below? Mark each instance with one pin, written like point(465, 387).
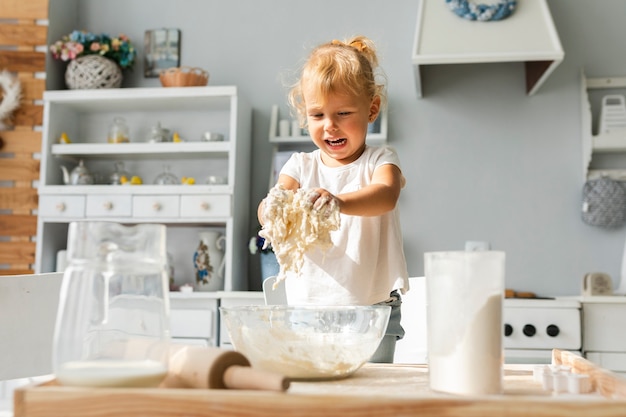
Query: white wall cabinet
point(596, 142)
point(604, 340)
point(86, 115)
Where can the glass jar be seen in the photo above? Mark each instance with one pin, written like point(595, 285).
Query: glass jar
point(166, 177)
point(112, 326)
point(118, 132)
point(116, 177)
point(159, 134)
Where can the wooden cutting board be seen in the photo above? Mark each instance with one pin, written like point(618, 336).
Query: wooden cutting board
point(375, 390)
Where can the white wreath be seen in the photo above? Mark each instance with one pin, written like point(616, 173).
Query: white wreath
point(11, 95)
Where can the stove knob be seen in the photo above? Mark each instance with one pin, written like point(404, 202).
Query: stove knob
point(508, 329)
point(553, 330)
point(529, 330)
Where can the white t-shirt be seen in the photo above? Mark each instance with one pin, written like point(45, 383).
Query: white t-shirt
point(367, 259)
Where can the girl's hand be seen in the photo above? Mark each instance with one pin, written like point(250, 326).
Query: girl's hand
point(323, 201)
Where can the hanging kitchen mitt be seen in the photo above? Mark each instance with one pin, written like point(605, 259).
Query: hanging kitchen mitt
point(604, 203)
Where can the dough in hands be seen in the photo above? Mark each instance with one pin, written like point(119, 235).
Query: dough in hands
point(292, 226)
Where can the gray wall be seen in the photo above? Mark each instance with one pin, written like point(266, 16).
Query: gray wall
point(483, 160)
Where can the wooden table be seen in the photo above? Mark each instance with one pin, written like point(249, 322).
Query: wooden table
point(375, 390)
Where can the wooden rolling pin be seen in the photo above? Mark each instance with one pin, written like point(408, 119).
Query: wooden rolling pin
point(209, 367)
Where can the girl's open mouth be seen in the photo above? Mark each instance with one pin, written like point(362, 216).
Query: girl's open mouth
point(336, 142)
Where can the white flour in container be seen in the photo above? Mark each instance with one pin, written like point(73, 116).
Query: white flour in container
point(473, 366)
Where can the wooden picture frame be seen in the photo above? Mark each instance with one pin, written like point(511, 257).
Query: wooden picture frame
point(162, 51)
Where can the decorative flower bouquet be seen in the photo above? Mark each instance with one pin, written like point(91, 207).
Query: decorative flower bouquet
point(81, 43)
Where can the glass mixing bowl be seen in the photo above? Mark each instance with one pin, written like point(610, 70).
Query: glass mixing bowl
point(307, 342)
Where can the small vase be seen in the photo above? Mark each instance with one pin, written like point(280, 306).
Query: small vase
point(93, 71)
point(209, 262)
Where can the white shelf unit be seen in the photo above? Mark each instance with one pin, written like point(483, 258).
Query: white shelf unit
point(528, 36)
point(86, 115)
point(602, 142)
point(302, 143)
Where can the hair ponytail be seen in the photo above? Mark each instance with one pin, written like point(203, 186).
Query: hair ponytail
point(364, 45)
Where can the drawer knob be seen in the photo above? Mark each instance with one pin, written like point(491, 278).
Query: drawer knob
point(156, 206)
point(60, 207)
point(204, 206)
point(108, 205)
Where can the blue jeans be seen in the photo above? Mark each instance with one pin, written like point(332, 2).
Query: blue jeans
point(395, 332)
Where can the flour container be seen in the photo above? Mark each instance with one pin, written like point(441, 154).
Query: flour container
point(464, 297)
point(112, 325)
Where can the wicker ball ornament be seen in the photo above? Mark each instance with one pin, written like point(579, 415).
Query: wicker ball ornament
point(93, 71)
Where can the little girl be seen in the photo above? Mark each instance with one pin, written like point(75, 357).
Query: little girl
point(336, 97)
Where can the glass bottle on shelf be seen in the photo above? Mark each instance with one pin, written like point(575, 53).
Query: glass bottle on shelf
point(166, 177)
point(116, 177)
point(118, 132)
point(159, 134)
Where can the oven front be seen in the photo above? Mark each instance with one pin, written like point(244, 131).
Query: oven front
point(533, 327)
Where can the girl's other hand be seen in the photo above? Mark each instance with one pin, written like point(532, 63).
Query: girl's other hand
point(323, 201)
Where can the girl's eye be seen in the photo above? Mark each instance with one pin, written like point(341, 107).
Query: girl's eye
point(316, 115)
point(344, 113)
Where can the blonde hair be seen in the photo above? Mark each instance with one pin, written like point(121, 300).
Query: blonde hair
point(350, 66)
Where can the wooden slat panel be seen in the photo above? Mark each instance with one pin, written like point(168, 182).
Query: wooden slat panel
point(18, 199)
point(23, 61)
point(21, 35)
point(24, 9)
point(28, 115)
point(30, 35)
point(19, 169)
point(18, 225)
point(20, 141)
point(32, 88)
point(17, 252)
point(13, 271)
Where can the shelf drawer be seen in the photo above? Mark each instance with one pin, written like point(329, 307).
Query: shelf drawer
point(161, 206)
point(205, 206)
point(62, 205)
point(109, 205)
point(191, 323)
